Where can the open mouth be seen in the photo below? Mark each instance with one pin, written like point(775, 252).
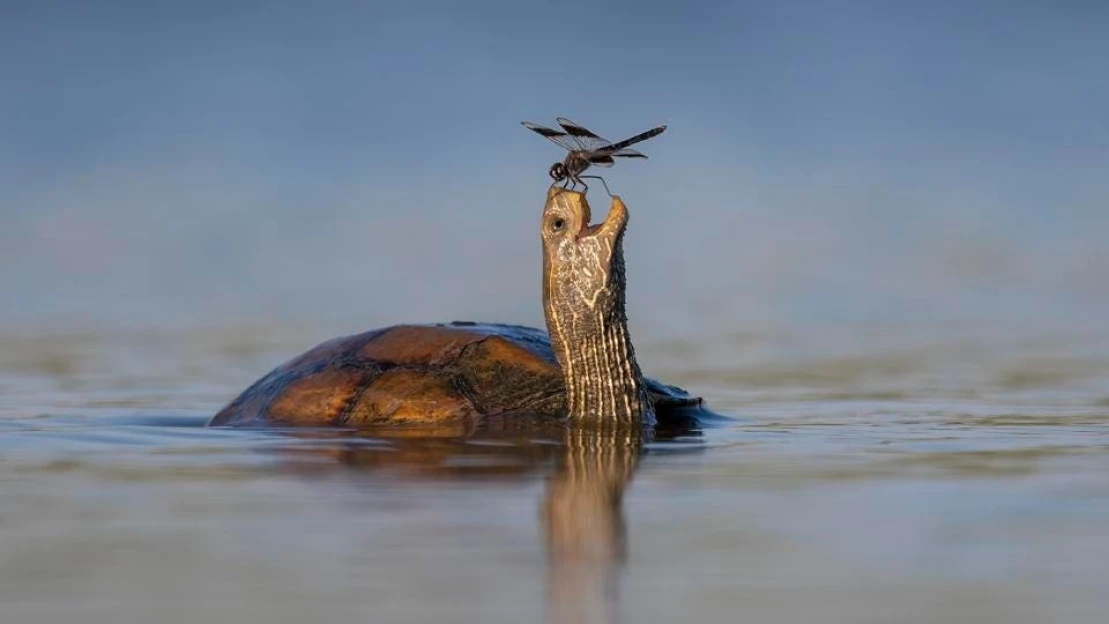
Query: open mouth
point(612, 224)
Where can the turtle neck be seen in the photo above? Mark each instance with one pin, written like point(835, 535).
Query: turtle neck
point(584, 290)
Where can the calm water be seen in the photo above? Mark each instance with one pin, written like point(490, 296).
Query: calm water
point(870, 475)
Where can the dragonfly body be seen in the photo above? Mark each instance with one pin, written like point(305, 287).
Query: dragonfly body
point(586, 149)
point(574, 165)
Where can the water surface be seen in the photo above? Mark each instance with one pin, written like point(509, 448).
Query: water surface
point(869, 475)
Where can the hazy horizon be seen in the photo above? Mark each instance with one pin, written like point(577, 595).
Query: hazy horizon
point(362, 165)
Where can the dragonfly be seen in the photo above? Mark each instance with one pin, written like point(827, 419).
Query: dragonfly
point(585, 149)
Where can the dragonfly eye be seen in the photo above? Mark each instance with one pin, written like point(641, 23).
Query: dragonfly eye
point(557, 172)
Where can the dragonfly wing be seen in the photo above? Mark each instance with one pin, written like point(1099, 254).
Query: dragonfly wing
point(565, 141)
point(601, 160)
point(586, 139)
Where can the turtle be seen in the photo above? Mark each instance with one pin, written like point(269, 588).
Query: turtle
point(582, 371)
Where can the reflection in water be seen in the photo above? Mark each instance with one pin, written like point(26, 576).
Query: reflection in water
point(584, 524)
point(581, 513)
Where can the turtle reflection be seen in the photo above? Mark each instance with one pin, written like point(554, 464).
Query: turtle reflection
point(581, 513)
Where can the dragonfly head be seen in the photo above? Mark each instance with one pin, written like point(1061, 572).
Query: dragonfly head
point(558, 172)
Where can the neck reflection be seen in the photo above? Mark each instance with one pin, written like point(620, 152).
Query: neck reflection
point(583, 520)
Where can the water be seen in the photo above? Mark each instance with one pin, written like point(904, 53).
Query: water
point(871, 474)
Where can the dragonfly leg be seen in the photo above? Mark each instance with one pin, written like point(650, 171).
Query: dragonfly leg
point(603, 183)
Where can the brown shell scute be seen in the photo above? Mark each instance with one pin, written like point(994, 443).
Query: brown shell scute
point(408, 396)
point(322, 398)
point(505, 377)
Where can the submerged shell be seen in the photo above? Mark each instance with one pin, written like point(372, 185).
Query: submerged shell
point(417, 374)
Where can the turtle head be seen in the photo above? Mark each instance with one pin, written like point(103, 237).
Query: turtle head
point(582, 263)
point(583, 301)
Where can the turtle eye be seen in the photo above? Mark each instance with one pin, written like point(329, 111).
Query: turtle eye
point(557, 225)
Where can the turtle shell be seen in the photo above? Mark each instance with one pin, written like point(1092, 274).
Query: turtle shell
point(420, 375)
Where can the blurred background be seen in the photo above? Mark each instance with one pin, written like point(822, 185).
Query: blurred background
point(874, 232)
point(354, 164)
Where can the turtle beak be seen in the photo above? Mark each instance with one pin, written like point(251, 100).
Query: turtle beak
point(617, 219)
